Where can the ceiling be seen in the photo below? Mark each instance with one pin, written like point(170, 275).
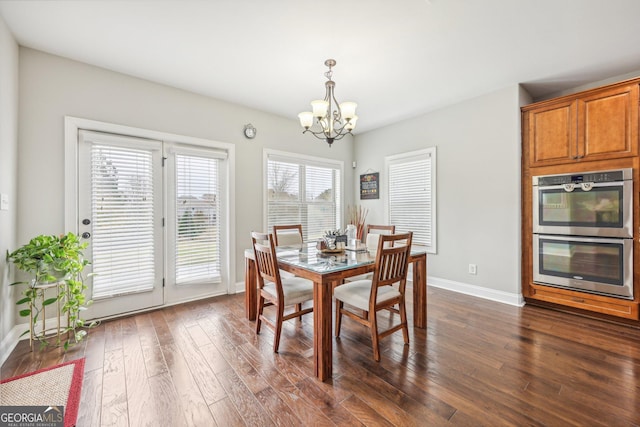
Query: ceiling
point(396, 59)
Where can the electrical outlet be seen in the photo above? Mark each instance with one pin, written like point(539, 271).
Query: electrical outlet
point(473, 269)
point(4, 202)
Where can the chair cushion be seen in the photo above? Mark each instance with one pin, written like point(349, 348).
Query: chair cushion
point(366, 276)
point(357, 293)
point(286, 275)
point(296, 290)
point(289, 238)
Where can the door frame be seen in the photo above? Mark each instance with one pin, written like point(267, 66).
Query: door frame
point(72, 125)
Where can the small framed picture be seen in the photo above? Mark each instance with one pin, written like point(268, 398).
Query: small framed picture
point(369, 186)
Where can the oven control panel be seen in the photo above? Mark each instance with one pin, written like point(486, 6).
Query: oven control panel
point(598, 176)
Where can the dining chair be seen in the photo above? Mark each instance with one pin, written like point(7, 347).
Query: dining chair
point(381, 229)
point(286, 235)
point(371, 243)
point(372, 295)
point(276, 291)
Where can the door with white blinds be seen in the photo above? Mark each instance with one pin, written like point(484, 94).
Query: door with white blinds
point(120, 213)
point(195, 225)
point(303, 190)
point(411, 200)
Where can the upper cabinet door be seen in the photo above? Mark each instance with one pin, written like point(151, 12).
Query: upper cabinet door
point(595, 125)
point(551, 131)
point(608, 124)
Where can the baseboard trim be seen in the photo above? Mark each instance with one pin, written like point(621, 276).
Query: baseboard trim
point(477, 291)
point(11, 340)
point(240, 287)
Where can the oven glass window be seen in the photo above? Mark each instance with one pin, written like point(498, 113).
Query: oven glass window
point(600, 207)
point(597, 262)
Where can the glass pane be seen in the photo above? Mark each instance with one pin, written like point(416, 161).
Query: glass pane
point(599, 207)
point(319, 219)
point(197, 215)
point(122, 220)
point(319, 184)
point(283, 181)
point(410, 198)
point(601, 262)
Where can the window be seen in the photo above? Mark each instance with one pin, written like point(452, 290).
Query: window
point(411, 195)
point(197, 239)
point(303, 190)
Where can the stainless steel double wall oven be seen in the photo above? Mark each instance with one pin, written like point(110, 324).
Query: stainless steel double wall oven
point(583, 232)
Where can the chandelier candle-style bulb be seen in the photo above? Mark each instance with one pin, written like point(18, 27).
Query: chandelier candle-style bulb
point(329, 120)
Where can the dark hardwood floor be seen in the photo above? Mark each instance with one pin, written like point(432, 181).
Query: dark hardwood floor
point(478, 363)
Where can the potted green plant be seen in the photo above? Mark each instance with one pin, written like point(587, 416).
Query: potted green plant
point(56, 261)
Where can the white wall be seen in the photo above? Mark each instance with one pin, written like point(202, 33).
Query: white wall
point(52, 87)
point(8, 173)
point(478, 189)
point(587, 86)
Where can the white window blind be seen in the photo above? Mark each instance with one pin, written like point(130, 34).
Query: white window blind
point(198, 219)
point(411, 195)
point(123, 217)
point(303, 191)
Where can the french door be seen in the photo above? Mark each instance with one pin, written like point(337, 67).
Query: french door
point(195, 226)
point(150, 211)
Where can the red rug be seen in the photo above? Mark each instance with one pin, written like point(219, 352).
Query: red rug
point(58, 385)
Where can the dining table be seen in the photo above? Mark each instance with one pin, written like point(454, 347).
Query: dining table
point(328, 270)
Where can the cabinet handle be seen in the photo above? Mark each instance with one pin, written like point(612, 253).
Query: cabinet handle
point(577, 299)
point(574, 157)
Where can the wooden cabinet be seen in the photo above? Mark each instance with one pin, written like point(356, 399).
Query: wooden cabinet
point(588, 131)
point(596, 125)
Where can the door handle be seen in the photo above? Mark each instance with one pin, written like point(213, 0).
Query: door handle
point(86, 235)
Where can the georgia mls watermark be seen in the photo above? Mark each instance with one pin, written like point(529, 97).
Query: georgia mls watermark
point(31, 416)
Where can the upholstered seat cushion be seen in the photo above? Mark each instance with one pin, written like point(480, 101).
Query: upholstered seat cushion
point(289, 238)
point(296, 290)
point(286, 275)
point(357, 293)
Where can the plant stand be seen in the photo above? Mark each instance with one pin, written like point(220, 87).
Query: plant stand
point(43, 333)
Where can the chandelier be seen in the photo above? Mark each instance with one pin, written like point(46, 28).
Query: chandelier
point(332, 120)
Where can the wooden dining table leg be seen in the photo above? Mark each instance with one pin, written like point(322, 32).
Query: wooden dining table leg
point(420, 292)
point(322, 333)
point(250, 288)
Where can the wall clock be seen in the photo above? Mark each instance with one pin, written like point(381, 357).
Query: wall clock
point(250, 131)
